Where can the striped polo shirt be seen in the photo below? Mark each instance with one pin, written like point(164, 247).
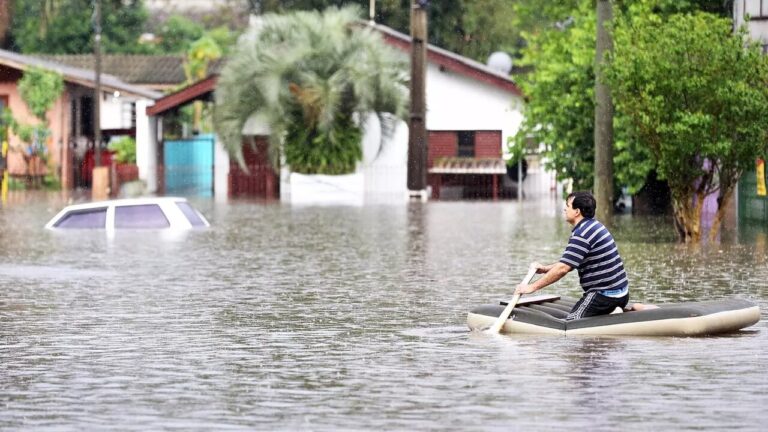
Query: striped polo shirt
point(592, 251)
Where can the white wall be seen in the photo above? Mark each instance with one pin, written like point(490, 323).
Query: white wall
point(146, 145)
point(114, 112)
point(758, 29)
point(456, 102)
point(220, 171)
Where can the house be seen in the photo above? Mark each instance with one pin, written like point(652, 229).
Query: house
point(70, 146)
point(472, 110)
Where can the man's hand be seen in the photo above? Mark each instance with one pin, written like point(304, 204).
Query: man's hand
point(540, 268)
point(524, 289)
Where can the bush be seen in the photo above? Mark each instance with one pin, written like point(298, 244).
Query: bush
point(125, 150)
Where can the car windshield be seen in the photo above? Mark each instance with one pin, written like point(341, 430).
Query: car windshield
point(191, 214)
point(91, 218)
point(140, 216)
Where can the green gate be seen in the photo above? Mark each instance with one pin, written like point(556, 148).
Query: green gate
point(751, 206)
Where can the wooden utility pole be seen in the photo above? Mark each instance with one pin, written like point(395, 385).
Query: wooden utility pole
point(97, 90)
point(100, 174)
point(6, 12)
point(417, 143)
point(603, 117)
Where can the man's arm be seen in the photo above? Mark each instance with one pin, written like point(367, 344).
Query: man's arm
point(554, 272)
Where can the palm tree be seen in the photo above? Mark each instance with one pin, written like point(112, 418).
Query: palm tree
point(311, 77)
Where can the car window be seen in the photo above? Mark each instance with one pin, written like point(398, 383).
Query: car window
point(191, 214)
point(91, 218)
point(140, 216)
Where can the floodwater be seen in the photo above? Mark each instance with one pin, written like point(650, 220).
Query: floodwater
point(344, 318)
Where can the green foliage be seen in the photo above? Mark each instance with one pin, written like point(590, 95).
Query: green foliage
point(199, 55)
point(309, 75)
point(125, 150)
point(40, 88)
point(335, 151)
point(695, 98)
point(177, 33)
point(65, 26)
point(560, 50)
point(560, 91)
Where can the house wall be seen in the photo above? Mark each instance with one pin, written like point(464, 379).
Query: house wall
point(487, 144)
point(456, 102)
point(57, 121)
point(757, 27)
point(441, 144)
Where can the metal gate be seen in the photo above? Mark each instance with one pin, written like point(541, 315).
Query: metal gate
point(752, 207)
point(188, 166)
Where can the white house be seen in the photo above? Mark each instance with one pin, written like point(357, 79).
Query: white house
point(472, 110)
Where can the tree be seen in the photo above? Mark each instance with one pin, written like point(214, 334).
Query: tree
point(603, 186)
point(199, 56)
point(311, 77)
point(560, 51)
point(560, 90)
point(65, 27)
point(695, 98)
point(177, 33)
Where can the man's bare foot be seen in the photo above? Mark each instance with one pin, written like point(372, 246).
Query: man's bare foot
point(641, 307)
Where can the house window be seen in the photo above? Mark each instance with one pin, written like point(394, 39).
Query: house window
point(756, 9)
point(466, 143)
point(128, 115)
point(86, 115)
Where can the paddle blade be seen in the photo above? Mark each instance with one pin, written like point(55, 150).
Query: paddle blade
point(499, 323)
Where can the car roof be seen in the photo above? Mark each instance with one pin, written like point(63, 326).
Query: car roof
point(124, 202)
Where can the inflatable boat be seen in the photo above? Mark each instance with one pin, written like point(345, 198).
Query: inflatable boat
point(546, 315)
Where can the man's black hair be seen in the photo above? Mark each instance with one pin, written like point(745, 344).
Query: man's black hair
point(583, 201)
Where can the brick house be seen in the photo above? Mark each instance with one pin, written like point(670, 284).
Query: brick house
point(70, 119)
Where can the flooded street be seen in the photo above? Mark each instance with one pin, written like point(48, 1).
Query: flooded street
point(345, 318)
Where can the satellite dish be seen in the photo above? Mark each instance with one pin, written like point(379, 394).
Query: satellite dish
point(500, 62)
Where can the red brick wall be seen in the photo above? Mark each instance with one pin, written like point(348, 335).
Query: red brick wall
point(488, 144)
point(441, 144)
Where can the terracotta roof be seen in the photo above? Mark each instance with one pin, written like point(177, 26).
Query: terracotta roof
point(84, 77)
point(450, 60)
point(200, 90)
point(467, 165)
point(163, 70)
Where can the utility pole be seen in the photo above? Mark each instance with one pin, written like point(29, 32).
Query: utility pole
point(372, 10)
point(603, 117)
point(97, 90)
point(417, 143)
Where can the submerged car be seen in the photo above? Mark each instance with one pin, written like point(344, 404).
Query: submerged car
point(135, 213)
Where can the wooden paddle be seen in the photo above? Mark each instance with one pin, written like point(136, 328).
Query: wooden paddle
point(499, 323)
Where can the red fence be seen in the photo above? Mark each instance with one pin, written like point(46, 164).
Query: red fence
point(260, 179)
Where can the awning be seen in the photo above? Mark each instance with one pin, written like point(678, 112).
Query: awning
point(466, 165)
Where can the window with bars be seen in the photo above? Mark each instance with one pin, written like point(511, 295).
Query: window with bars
point(755, 9)
point(466, 146)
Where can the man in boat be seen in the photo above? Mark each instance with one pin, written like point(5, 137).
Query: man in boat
point(593, 253)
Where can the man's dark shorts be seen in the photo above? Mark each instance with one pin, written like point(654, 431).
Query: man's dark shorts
point(593, 304)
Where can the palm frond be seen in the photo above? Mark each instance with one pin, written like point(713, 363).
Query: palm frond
point(309, 74)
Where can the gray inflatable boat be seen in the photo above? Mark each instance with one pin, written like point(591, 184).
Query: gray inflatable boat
point(546, 315)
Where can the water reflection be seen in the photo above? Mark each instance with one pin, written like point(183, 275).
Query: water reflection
point(327, 318)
